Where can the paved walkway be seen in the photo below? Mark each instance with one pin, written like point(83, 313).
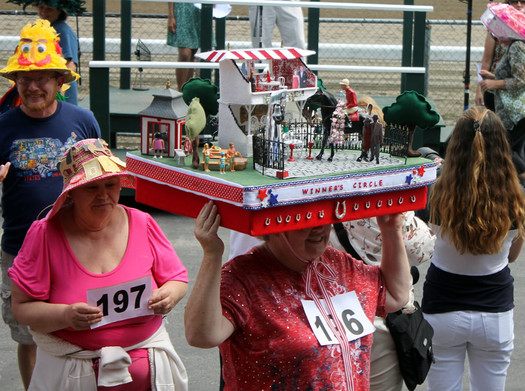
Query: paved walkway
point(203, 364)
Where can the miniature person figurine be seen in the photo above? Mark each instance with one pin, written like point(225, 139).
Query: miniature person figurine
point(222, 164)
point(365, 141)
point(231, 156)
point(187, 146)
point(376, 138)
point(206, 155)
point(251, 79)
point(303, 77)
point(157, 145)
point(295, 79)
point(367, 133)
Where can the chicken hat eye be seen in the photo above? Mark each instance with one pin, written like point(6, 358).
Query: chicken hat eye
point(42, 48)
point(25, 48)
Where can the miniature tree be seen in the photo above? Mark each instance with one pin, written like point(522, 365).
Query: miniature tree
point(411, 109)
point(208, 97)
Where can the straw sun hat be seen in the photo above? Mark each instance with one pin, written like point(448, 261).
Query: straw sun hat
point(87, 161)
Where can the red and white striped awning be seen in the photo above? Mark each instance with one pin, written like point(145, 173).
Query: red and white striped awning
point(255, 54)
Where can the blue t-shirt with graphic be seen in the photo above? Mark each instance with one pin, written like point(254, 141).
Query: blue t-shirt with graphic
point(34, 146)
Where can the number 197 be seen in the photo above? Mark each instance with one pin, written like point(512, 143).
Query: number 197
point(121, 299)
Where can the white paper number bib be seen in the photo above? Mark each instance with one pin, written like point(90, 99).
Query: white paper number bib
point(122, 301)
point(350, 314)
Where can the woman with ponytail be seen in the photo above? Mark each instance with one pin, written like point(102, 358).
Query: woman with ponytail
point(477, 210)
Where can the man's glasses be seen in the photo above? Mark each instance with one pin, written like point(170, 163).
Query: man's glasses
point(515, 1)
point(39, 81)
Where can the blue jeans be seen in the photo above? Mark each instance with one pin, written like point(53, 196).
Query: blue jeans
point(487, 339)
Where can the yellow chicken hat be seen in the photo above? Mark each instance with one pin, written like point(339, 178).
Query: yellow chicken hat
point(38, 50)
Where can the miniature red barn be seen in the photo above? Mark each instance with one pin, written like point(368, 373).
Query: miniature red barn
point(165, 115)
point(246, 90)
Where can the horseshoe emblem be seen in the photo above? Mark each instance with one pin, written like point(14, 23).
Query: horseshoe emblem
point(337, 213)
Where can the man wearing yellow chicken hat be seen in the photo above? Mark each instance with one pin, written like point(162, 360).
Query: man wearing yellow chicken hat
point(34, 136)
point(56, 12)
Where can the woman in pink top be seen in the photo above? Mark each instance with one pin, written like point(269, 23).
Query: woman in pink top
point(93, 280)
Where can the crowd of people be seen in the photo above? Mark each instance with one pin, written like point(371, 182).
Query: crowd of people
point(74, 259)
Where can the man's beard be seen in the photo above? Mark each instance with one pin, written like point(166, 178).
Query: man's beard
point(37, 106)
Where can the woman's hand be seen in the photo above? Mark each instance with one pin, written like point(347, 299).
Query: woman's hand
point(486, 75)
point(172, 23)
point(488, 85)
point(166, 297)
point(391, 222)
point(81, 316)
point(206, 228)
point(480, 99)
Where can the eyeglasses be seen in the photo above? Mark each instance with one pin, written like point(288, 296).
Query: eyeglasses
point(515, 1)
point(39, 81)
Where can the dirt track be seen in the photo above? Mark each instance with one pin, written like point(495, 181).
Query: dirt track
point(443, 9)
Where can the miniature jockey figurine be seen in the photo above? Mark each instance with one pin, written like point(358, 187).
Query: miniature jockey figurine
point(206, 155)
point(351, 97)
point(231, 156)
point(157, 145)
point(222, 164)
point(376, 138)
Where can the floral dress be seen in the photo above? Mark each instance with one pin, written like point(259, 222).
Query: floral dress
point(188, 28)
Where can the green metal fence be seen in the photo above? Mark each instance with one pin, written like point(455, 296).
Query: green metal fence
point(342, 41)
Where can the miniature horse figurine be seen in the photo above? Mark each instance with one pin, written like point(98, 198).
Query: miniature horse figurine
point(328, 103)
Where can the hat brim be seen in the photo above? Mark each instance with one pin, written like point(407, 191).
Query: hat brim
point(126, 180)
point(69, 75)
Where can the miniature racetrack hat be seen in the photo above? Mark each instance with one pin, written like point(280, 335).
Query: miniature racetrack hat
point(71, 7)
point(87, 161)
point(345, 82)
point(504, 21)
point(38, 50)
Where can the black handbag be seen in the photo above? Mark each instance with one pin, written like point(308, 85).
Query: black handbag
point(412, 335)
